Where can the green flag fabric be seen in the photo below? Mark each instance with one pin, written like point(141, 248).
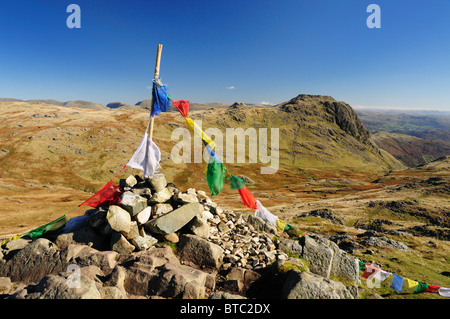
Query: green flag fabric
point(215, 176)
point(421, 287)
point(52, 226)
point(235, 182)
point(362, 265)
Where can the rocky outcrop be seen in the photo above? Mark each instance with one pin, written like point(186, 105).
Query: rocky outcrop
point(301, 285)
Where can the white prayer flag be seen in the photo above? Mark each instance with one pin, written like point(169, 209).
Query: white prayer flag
point(382, 275)
point(444, 292)
point(146, 157)
point(264, 214)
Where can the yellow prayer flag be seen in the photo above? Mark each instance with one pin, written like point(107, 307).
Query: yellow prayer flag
point(281, 225)
point(410, 283)
point(9, 239)
point(197, 130)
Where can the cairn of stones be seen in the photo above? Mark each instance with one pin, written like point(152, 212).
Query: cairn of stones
point(153, 210)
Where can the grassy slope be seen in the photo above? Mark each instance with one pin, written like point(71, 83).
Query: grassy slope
point(74, 152)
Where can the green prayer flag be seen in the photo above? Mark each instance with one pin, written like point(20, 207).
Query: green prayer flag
point(288, 227)
point(235, 182)
point(52, 226)
point(362, 265)
point(215, 176)
point(421, 287)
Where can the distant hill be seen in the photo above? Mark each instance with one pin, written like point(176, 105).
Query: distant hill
point(316, 132)
point(414, 150)
point(442, 163)
point(390, 121)
point(413, 137)
point(84, 105)
point(77, 104)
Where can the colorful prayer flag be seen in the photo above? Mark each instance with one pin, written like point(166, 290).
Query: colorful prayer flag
point(281, 225)
point(382, 275)
point(161, 101)
point(444, 292)
point(421, 287)
point(9, 239)
point(265, 215)
point(146, 157)
point(215, 176)
point(410, 283)
point(397, 283)
point(52, 226)
point(362, 265)
point(108, 195)
point(235, 182)
point(212, 154)
point(247, 198)
point(182, 106)
point(198, 131)
point(432, 288)
point(370, 271)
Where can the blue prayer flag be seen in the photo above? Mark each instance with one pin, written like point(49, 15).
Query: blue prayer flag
point(212, 155)
point(397, 282)
point(161, 100)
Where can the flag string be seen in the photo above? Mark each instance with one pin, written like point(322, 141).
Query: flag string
point(398, 283)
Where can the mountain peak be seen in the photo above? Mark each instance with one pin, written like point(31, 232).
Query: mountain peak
point(237, 105)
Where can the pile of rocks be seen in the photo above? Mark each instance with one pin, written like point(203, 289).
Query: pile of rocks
point(153, 210)
point(161, 242)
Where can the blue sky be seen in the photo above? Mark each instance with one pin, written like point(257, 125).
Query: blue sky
point(227, 51)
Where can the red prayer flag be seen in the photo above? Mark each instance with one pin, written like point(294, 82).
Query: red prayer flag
point(108, 195)
point(370, 270)
point(432, 288)
point(247, 198)
point(182, 106)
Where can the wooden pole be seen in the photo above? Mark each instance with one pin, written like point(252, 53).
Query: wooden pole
point(155, 76)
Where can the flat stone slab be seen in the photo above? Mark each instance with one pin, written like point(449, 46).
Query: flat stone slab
point(174, 220)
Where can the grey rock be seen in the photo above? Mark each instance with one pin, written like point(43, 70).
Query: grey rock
point(33, 262)
point(384, 242)
point(225, 295)
point(132, 202)
point(111, 293)
point(325, 213)
point(16, 244)
point(290, 246)
point(130, 181)
point(86, 236)
point(56, 287)
point(144, 215)
point(300, 285)
point(133, 232)
point(344, 265)
point(83, 256)
point(186, 198)
point(198, 227)
point(172, 281)
point(161, 209)
point(223, 227)
point(260, 224)
point(173, 221)
point(160, 197)
point(120, 244)
point(119, 219)
point(5, 285)
point(319, 255)
point(158, 182)
point(143, 242)
point(200, 252)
